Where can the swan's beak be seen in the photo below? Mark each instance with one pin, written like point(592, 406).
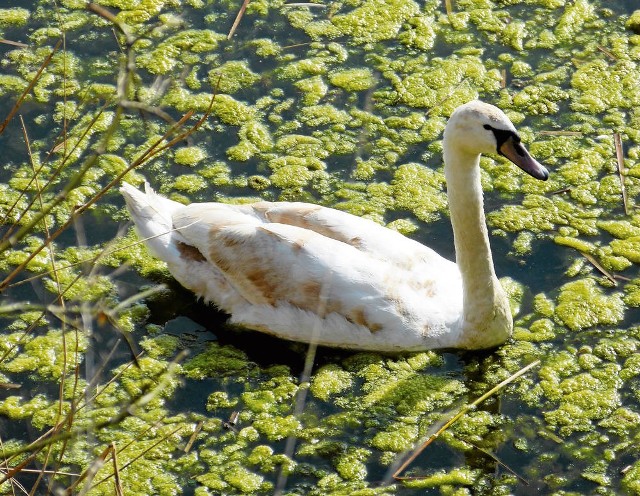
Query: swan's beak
point(518, 154)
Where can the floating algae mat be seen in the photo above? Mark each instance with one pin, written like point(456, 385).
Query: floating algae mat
point(341, 104)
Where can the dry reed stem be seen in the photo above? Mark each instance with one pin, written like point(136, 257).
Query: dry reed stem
point(126, 411)
point(52, 177)
point(9, 241)
point(28, 89)
point(559, 192)
point(116, 470)
point(138, 456)
point(600, 268)
point(193, 437)
point(109, 16)
point(90, 472)
point(607, 52)
point(13, 43)
point(245, 3)
point(55, 435)
point(501, 463)
point(617, 140)
point(59, 300)
point(123, 83)
point(455, 418)
point(448, 7)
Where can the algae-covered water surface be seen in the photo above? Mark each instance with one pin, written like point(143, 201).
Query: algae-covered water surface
point(114, 380)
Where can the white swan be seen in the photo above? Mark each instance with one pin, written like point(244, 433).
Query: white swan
point(304, 272)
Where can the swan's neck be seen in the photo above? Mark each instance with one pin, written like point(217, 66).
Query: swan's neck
point(486, 314)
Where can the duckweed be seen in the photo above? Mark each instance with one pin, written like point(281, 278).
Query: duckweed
point(582, 304)
point(189, 183)
point(232, 76)
point(353, 79)
point(14, 17)
point(190, 155)
point(330, 380)
point(376, 20)
point(346, 108)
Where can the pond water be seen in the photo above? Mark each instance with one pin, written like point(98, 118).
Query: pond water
point(341, 104)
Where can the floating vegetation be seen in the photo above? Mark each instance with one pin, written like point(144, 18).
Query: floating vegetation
point(341, 104)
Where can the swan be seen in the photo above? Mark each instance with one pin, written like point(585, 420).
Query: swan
point(307, 273)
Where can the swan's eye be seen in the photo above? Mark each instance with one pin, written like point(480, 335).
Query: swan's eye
point(487, 126)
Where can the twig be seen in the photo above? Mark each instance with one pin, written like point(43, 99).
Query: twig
point(621, 170)
point(30, 87)
point(116, 470)
point(501, 463)
point(90, 472)
point(600, 268)
point(455, 418)
point(163, 379)
point(245, 3)
point(13, 43)
point(193, 437)
point(448, 7)
point(608, 53)
point(109, 16)
point(559, 191)
point(140, 455)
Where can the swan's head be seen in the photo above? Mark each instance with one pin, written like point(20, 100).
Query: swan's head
point(477, 127)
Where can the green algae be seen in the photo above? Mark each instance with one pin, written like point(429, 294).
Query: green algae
point(191, 155)
point(189, 183)
point(216, 360)
point(583, 304)
point(351, 466)
point(314, 89)
point(232, 76)
point(456, 478)
point(573, 19)
point(375, 20)
point(44, 355)
point(13, 17)
point(573, 87)
point(419, 190)
point(330, 381)
point(353, 79)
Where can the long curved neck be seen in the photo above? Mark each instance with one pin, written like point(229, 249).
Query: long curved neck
point(464, 190)
point(485, 307)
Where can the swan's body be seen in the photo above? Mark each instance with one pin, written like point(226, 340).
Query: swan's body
point(309, 273)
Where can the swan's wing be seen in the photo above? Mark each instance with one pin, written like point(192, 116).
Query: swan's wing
point(363, 234)
point(273, 263)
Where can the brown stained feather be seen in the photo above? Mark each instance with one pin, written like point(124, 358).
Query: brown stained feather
point(356, 242)
point(259, 284)
point(358, 316)
point(190, 253)
point(262, 284)
point(311, 290)
point(295, 244)
point(263, 281)
point(301, 219)
point(427, 287)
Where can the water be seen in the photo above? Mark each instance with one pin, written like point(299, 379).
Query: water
point(564, 427)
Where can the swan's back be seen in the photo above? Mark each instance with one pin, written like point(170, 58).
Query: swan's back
point(303, 272)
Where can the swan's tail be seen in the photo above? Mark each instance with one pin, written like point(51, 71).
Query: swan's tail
point(152, 215)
